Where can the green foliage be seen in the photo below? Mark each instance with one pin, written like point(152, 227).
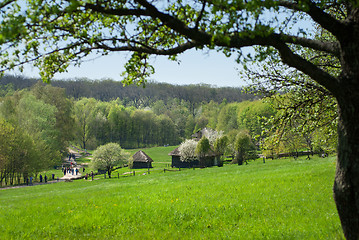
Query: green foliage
point(296, 127)
point(65, 122)
point(6, 90)
point(145, 29)
point(243, 147)
point(37, 116)
point(19, 156)
point(253, 116)
point(227, 119)
point(203, 147)
point(83, 116)
point(221, 145)
point(38, 120)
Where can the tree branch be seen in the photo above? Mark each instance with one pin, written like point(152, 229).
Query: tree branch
point(317, 74)
point(318, 15)
point(200, 15)
point(148, 49)
point(5, 3)
point(176, 24)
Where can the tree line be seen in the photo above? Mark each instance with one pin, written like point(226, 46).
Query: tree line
point(107, 90)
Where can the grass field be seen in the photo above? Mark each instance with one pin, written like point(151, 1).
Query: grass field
point(281, 199)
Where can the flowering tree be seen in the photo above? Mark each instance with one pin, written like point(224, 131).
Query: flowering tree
point(211, 135)
point(107, 156)
point(188, 150)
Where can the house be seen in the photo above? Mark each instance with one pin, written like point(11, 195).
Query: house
point(141, 160)
point(177, 163)
point(198, 135)
point(211, 159)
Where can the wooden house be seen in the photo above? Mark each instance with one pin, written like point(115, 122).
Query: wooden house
point(211, 159)
point(141, 160)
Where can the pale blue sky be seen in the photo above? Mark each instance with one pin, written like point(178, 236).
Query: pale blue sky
point(195, 67)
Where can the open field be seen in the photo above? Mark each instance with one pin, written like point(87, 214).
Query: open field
point(281, 199)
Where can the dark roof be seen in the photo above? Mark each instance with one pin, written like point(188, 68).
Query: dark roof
point(141, 156)
point(175, 152)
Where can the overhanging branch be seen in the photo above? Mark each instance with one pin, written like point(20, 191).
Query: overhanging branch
point(317, 74)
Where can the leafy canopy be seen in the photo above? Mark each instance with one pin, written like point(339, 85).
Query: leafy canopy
point(54, 34)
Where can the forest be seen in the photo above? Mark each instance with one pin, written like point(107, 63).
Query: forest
point(43, 119)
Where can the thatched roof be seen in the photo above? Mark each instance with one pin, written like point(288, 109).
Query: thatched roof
point(141, 156)
point(175, 152)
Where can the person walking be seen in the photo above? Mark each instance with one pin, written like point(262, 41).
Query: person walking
point(40, 178)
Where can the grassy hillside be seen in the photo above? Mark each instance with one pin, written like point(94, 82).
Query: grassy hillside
point(281, 199)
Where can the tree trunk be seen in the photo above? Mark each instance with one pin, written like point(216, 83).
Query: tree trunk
point(346, 184)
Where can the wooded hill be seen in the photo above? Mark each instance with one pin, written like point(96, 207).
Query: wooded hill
point(106, 90)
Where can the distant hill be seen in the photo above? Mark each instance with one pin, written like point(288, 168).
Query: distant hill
point(106, 90)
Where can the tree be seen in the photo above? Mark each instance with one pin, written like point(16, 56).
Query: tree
point(83, 116)
point(202, 149)
point(227, 118)
point(243, 146)
point(221, 144)
point(107, 156)
point(19, 156)
point(147, 28)
point(56, 96)
point(38, 119)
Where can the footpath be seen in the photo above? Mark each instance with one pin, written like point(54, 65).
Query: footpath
point(72, 175)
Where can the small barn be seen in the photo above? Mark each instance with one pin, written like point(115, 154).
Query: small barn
point(211, 159)
point(141, 160)
point(177, 163)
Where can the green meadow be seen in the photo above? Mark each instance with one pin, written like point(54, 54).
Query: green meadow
point(281, 199)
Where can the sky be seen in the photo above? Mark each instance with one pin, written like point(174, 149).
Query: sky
point(195, 67)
